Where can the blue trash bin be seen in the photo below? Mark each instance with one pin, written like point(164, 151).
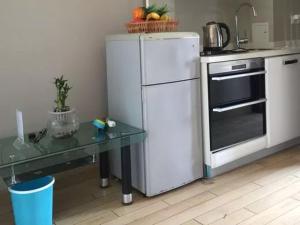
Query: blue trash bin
point(33, 201)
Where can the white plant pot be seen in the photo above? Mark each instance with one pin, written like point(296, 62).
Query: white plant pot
point(63, 124)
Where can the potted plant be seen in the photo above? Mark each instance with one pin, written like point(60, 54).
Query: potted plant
point(63, 121)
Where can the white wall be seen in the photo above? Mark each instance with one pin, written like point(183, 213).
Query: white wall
point(264, 11)
point(283, 29)
point(43, 39)
point(277, 13)
point(194, 14)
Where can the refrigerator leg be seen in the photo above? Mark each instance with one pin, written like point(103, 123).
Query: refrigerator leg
point(126, 175)
point(104, 169)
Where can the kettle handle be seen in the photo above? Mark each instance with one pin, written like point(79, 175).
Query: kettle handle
point(224, 26)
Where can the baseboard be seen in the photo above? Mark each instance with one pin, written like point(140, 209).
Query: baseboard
point(209, 172)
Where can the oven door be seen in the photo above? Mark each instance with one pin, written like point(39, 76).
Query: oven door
point(237, 104)
point(238, 123)
point(229, 88)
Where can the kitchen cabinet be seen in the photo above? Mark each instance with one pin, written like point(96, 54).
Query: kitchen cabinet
point(283, 94)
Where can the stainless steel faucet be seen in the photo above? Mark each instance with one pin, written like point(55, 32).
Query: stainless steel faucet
point(244, 40)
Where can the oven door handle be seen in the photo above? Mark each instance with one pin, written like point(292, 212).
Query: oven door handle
point(239, 76)
point(225, 109)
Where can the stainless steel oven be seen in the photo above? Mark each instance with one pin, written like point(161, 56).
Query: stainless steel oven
point(237, 102)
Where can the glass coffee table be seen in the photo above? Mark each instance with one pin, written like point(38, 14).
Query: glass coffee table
point(21, 163)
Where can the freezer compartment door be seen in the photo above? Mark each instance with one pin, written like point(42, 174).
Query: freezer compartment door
point(169, 60)
point(173, 147)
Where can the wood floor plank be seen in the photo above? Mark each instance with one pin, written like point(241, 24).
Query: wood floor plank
point(209, 205)
point(174, 209)
point(274, 198)
point(268, 187)
point(234, 218)
point(297, 196)
point(239, 203)
point(289, 218)
point(6, 219)
point(191, 222)
point(70, 192)
point(84, 209)
point(115, 187)
point(87, 215)
point(297, 174)
point(87, 211)
point(290, 167)
point(99, 219)
point(5, 206)
point(61, 204)
point(108, 198)
point(138, 214)
point(270, 173)
point(77, 176)
point(124, 210)
point(273, 213)
point(224, 180)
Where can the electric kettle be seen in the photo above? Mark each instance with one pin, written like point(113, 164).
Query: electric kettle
point(214, 36)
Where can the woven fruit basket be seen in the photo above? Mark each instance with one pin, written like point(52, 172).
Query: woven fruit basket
point(152, 26)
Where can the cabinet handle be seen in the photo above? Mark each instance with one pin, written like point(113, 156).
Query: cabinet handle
point(219, 110)
point(289, 62)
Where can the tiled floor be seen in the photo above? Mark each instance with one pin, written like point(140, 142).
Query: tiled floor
point(264, 192)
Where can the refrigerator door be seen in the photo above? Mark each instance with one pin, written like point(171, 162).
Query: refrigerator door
point(169, 58)
point(173, 147)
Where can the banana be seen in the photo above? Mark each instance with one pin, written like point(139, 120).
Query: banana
point(153, 16)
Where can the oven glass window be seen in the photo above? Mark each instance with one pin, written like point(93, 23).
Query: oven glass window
point(227, 92)
point(235, 126)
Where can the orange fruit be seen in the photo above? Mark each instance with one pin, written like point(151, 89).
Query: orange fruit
point(138, 14)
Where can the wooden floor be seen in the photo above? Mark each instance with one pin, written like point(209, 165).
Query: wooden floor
point(264, 192)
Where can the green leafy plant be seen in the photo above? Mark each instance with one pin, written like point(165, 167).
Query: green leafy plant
point(163, 10)
point(154, 8)
point(62, 88)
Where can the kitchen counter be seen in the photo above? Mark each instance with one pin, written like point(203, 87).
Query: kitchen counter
point(251, 54)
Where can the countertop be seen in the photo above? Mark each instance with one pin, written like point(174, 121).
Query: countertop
point(251, 54)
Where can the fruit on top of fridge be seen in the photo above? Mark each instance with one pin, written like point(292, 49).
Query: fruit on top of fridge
point(138, 14)
point(163, 10)
point(150, 9)
point(165, 17)
point(153, 16)
point(151, 12)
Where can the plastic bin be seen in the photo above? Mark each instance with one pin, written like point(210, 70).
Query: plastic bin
point(32, 201)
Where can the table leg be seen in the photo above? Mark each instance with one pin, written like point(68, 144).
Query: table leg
point(126, 175)
point(104, 169)
point(13, 176)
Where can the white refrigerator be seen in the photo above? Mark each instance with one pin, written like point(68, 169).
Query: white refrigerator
point(153, 83)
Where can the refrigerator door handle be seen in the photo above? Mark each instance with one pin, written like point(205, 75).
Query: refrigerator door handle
point(143, 70)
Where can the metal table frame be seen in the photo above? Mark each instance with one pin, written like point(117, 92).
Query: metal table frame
point(88, 141)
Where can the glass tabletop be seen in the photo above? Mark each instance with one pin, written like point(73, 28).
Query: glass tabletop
point(87, 141)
